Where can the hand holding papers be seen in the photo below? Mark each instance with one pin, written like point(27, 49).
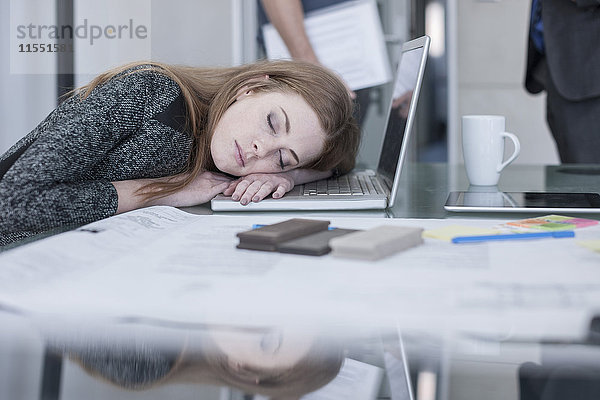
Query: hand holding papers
point(346, 38)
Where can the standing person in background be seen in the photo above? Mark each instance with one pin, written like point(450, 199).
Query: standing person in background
point(564, 60)
point(288, 19)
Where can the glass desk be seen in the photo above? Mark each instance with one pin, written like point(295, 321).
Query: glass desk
point(132, 360)
point(424, 188)
point(149, 359)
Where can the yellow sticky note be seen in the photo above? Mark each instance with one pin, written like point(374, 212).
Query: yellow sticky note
point(590, 244)
point(448, 232)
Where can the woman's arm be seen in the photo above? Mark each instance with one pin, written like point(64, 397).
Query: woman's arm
point(256, 187)
point(288, 18)
point(51, 184)
point(202, 189)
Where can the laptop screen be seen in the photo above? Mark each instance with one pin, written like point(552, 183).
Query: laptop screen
point(401, 113)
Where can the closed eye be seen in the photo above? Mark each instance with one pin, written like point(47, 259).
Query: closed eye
point(281, 164)
point(270, 123)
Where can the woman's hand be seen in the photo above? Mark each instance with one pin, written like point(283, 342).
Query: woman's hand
point(255, 187)
point(200, 190)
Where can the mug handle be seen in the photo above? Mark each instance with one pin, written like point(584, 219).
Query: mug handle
point(514, 155)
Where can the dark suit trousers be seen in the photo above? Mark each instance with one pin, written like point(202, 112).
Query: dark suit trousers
point(575, 126)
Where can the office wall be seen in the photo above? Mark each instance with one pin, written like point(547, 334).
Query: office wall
point(189, 32)
point(195, 32)
point(25, 99)
point(198, 32)
point(491, 40)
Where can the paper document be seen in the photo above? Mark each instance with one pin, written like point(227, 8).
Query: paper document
point(160, 265)
point(346, 38)
point(591, 244)
point(451, 231)
point(551, 223)
point(356, 380)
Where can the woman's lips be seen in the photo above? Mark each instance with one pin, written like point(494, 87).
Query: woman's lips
point(238, 155)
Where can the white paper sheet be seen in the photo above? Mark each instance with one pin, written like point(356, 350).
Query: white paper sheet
point(356, 380)
point(348, 39)
point(162, 264)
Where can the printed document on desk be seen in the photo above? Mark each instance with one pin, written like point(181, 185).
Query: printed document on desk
point(347, 38)
point(164, 265)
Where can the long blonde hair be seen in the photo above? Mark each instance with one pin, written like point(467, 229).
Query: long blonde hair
point(208, 93)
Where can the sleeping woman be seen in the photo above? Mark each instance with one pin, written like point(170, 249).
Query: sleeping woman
point(155, 134)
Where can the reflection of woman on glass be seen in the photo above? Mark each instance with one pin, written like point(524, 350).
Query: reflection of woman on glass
point(278, 363)
point(401, 104)
point(155, 134)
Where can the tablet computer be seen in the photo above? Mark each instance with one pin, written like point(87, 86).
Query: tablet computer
point(473, 201)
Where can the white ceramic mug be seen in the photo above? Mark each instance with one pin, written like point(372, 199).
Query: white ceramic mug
point(483, 148)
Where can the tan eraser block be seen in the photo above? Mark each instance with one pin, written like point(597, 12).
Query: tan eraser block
point(377, 242)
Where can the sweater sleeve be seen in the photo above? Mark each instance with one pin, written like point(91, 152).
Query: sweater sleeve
point(47, 186)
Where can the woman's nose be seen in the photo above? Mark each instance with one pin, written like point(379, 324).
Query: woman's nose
point(262, 148)
point(257, 147)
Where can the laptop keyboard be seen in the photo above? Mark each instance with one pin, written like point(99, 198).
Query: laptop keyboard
point(345, 185)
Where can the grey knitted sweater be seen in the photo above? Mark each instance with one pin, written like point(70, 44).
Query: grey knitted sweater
point(59, 174)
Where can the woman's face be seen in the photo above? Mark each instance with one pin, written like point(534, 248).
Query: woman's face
point(266, 133)
point(277, 349)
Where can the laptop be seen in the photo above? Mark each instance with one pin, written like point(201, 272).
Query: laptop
point(361, 189)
